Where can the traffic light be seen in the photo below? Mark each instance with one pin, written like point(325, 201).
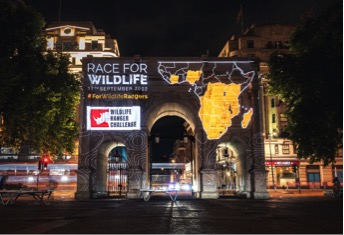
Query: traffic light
point(294, 168)
point(45, 163)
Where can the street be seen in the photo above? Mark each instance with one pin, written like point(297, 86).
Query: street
point(283, 213)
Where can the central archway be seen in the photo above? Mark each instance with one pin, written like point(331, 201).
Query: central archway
point(180, 161)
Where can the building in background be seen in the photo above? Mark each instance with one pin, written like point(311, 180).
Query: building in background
point(79, 40)
point(283, 166)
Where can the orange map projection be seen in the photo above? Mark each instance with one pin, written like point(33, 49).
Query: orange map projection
point(219, 95)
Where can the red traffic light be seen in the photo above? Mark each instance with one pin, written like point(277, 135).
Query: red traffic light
point(45, 159)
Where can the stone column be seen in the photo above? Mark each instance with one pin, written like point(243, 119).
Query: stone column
point(208, 184)
point(259, 183)
point(84, 187)
point(135, 181)
point(100, 184)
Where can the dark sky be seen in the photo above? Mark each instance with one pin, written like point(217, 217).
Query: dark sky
point(175, 28)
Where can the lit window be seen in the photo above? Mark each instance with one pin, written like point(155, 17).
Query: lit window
point(285, 149)
point(283, 117)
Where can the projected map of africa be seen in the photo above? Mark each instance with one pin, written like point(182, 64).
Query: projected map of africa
point(219, 86)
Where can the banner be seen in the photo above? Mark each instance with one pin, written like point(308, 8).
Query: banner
point(114, 118)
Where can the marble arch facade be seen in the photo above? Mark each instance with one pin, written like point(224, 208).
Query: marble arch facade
point(123, 98)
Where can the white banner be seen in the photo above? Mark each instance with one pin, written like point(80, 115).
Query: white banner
point(113, 118)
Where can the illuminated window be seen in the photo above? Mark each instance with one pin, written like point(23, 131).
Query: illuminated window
point(283, 117)
point(6, 150)
point(285, 149)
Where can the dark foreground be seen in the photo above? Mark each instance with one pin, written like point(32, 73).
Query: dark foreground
point(279, 215)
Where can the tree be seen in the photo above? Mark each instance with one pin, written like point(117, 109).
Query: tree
point(38, 96)
point(310, 81)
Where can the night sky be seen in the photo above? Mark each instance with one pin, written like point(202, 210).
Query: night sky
point(187, 28)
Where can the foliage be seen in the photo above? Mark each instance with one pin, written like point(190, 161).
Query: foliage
point(310, 81)
point(37, 94)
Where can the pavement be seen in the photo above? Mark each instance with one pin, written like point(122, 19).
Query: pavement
point(285, 212)
point(296, 193)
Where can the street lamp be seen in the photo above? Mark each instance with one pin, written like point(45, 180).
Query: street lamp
point(272, 169)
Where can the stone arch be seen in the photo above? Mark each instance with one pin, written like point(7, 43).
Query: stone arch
point(182, 111)
point(102, 163)
point(171, 109)
point(243, 161)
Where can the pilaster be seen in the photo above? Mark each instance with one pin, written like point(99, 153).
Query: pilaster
point(135, 181)
point(83, 184)
point(208, 187)
point(259, 183)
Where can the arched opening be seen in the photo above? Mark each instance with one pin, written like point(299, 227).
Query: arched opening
point(117, 173)
point(111, 170)
point(226, 167)
point(171, 154)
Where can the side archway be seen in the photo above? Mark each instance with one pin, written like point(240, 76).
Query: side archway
point(102, 164)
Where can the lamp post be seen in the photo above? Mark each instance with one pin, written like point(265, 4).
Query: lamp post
point(272, 169)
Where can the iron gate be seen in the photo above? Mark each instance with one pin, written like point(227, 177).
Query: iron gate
point(117, 179)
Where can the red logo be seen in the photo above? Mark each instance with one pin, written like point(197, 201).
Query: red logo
point(100, 117)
